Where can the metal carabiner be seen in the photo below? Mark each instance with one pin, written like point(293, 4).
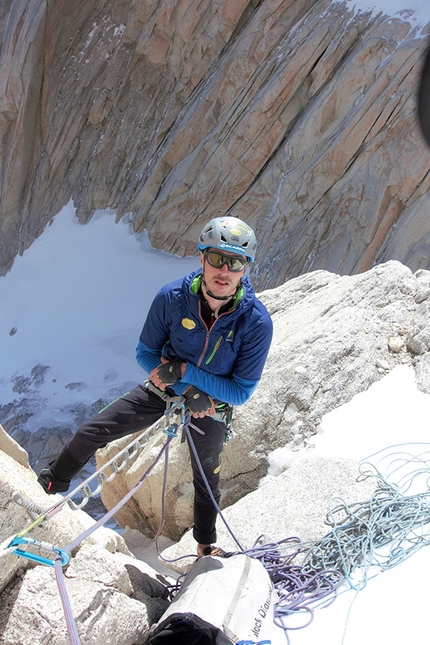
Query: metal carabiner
point(44, 546)
point(171, 431)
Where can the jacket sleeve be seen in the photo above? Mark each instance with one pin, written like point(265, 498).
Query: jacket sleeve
point(147, 358)
point(155, 332)
point(233, 390)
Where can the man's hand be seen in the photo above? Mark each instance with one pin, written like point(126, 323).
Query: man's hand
point(198, 403)
point(167, 373)
point(170, 373)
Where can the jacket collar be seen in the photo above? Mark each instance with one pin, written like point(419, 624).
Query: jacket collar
point(244, 298)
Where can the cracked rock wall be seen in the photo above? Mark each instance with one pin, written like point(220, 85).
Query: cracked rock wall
point(297, 115)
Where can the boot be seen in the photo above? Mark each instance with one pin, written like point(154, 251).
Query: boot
point(57, 478)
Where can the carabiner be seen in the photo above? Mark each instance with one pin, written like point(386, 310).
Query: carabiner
point(65, 558)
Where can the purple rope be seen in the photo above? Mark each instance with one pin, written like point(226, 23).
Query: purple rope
point(65, 601)
point(214, 502)
point(299, 588)
point(121, 503)
point(185, 424)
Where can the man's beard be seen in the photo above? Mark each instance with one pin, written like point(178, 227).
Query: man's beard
point(212, 295)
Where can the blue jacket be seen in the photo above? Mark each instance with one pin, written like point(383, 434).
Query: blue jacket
point(225, 362)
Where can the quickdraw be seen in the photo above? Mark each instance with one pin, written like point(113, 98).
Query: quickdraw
point(169, 422)
point(62, 557)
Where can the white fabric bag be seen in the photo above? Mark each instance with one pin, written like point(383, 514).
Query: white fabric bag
point(221, 601)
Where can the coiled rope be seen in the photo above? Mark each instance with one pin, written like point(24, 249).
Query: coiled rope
point(383, 531)
point(364, 537)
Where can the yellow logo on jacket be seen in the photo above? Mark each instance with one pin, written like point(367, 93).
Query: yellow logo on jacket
point(188, 324)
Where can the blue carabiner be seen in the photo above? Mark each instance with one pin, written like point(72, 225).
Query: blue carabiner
point(65, 558)
point(171, 431)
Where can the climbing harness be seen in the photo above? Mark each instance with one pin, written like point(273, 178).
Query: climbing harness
point(167, 398)
point(224, 412)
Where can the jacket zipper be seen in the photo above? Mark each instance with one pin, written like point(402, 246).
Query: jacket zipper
point(208, 332)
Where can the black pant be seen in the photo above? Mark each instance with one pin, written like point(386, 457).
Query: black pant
point(137, 410)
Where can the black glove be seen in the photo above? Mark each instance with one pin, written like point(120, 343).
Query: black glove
point(170, 373)
point(198, 401)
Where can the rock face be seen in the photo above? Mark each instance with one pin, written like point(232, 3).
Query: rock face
point(297, 116)
point(303, 492)
point(12, 448)
point(111, 593)
point(333, 337)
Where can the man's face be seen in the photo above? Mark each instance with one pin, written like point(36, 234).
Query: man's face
point(221, 281)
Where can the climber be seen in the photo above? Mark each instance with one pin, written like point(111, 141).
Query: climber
point(206, 338)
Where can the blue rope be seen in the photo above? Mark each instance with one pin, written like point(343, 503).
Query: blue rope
point(307, 575)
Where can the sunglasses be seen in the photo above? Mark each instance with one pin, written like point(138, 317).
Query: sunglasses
point(233, 262)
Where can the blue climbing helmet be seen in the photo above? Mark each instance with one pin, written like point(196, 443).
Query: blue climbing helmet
point(229, 234)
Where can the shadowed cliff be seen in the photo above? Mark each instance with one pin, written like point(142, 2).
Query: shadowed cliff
point(298, 116)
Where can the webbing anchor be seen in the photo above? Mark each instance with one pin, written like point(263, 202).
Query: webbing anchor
point(44, 546)
point(32, 509)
